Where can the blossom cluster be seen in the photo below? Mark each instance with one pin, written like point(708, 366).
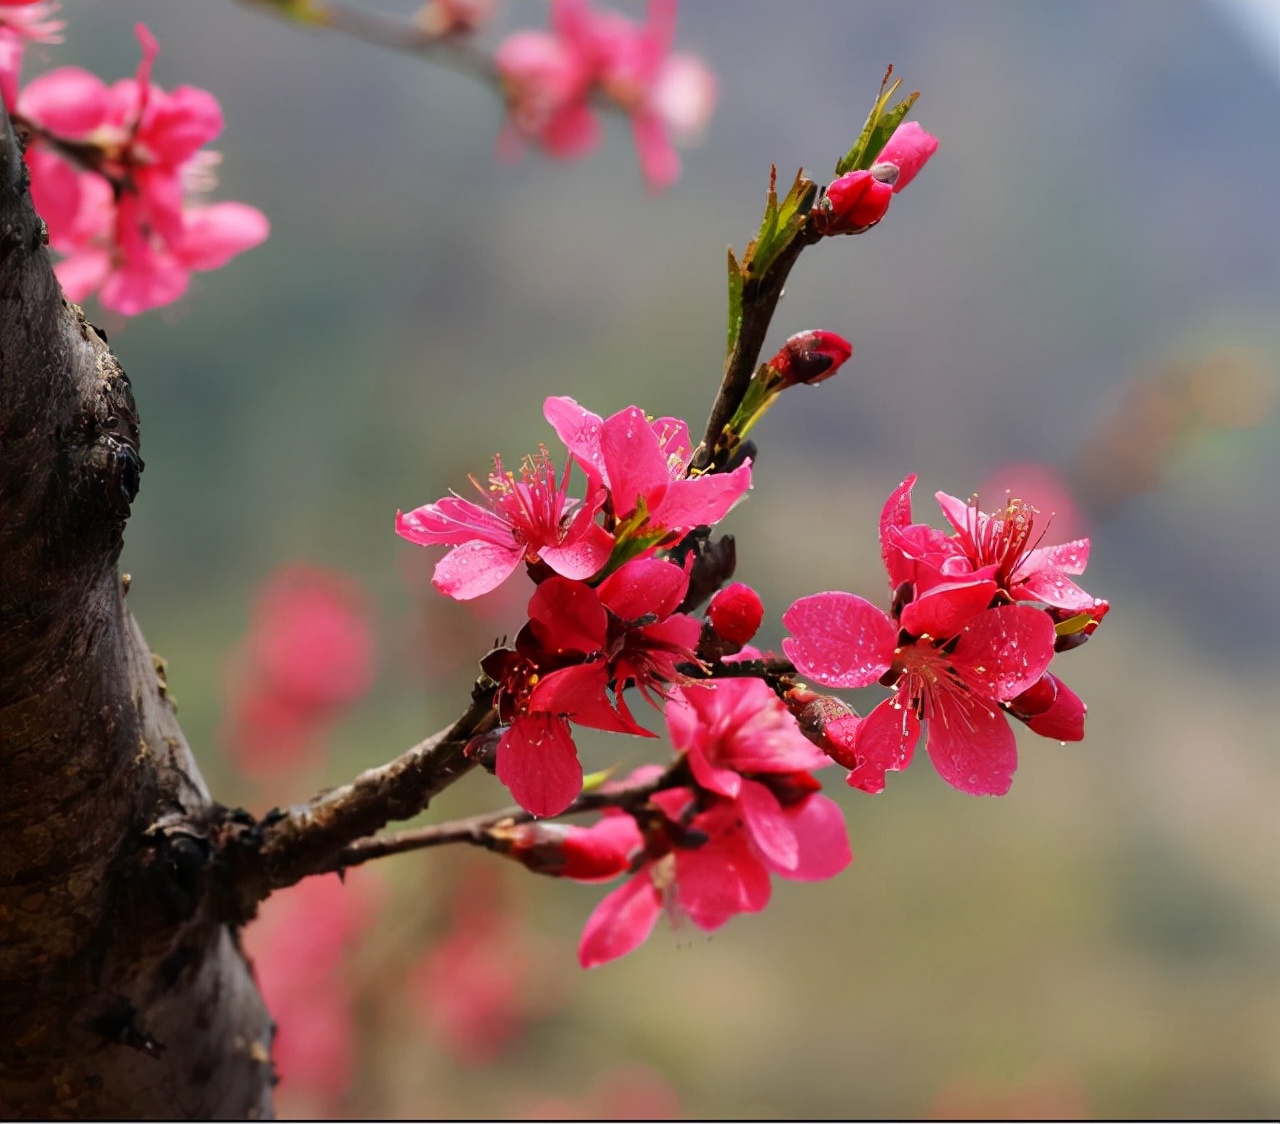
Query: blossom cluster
point(119, 173)
point(704, 849)
point(551, 80)
point(977, 617)
point(605, 613)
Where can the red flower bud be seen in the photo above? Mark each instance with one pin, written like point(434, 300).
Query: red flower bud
point(593, 854)
point(735, 613)
point(906, 153)
point(809, 357)
point(852, 204)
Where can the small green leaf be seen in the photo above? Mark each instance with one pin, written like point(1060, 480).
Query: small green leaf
point(735, 303)
point(783, 222)
point(879, 127)
point(593, 781)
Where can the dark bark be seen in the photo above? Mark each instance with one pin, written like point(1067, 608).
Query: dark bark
point(121, 995)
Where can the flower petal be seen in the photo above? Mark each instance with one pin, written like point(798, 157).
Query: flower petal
point(823, 839)
point(700, 499)
point(839, 639)
point(475, 568)
point(644, 586)
point(770, 830)
point(970, 744)
point(538, 763)
point(943, 610)
point(621, 922)
point(1003, 651)
point(884, 743)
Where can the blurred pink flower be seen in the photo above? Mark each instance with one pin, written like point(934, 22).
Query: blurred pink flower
point(23, 22)
point(129, 224)
point(1042, 486)
point(549, 78)
point(630, 1092)
point(299, 946)
point(307, 657)
point(469, 988)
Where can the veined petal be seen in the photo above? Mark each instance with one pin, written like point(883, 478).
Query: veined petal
point(636, 464)
point(475, 568)
point(700, 499)
point(538, 763)
point(839, 639)
point(579, 429)
point(621, 922)
point(884, 743)
point(453, 520)
point(586, 549)
point(1003, 651)
point(970, 744)
point(1069, 557)
point(1053, 587)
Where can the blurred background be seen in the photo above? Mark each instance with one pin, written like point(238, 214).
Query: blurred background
point(1086, 277)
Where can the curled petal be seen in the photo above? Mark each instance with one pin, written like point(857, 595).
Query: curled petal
point(909, 149)
point(885, 742)
point(579, 692)
point(896, 514)
point(839, 639)
point(1051, 709)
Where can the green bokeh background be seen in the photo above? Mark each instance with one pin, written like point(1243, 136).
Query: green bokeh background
point(1103, 202)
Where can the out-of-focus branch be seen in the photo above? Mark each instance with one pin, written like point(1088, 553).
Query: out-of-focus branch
point(408, 35)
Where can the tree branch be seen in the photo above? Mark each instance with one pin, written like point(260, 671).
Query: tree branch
point(257, 858)
point(477, 829)
point(118, 997)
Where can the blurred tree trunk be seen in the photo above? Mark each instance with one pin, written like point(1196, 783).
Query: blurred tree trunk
point(120, 994)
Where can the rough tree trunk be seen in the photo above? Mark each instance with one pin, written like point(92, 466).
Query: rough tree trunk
point(119, 995)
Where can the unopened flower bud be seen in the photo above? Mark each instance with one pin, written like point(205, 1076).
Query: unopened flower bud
point(827, 721)
point(808, 357)
point(735, 613)
point(906, 153)
point(593, 854)
point(853, 203)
